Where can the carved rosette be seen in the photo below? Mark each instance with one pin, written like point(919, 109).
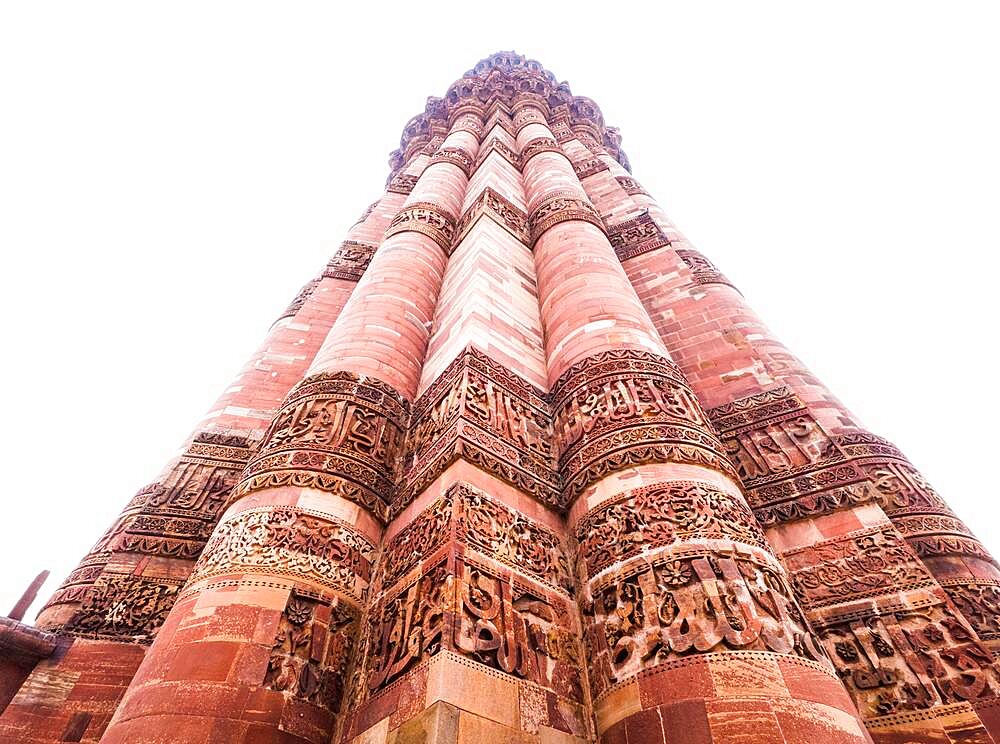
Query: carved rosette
point(636, 236)
point(657, 610)
point(338, 432)
point(500, 210)
point(350, 261)
point(703, 271)
point(427, 219)
point(480, 411)
point(622, 408)
point(473, 577)
point(455, 156)
point(311, 650)
point(293, 542)
point(561, 208)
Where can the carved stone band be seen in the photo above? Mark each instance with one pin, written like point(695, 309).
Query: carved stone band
point(350, 261)
point(653, 517)
point(561, 209)
point(500, 209)
point(622, 408)
point(495, 145)
point(539, 145)
point(469, 516)
point(296, 543)
point(456, 156)
point(636, 236)
point(402, 183)
point(480, 411)
point(630, 185)
point(703, 271)
point(428, 219)
point(589, 167)
point(338, 432)
point(658, 611)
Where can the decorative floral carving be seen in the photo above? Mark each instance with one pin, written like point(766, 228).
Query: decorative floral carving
point(702, 270)
point(621, 408)
point(558, 209)
point(287, 540)
point(338, 432)
point(350, 261)
point(468, 516)
point(402, 183)
point(123, 607)
point(910, 660)
point(495, 621)
point(636, 236)
point(455, 156)
point(427, 219)
point(862, 564)
point(589, 167)
point(481, 411)
point(652, 517)
point(311, 651)
point(680, 606)
point(630, 185)
point(503, 212)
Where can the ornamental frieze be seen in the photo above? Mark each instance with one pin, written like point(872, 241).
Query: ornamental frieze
point(299, 300)
point(455, 156)
point(630, 186)
point(338, 432)
point(427, 219)
point(484, 615)
point(589, 167)
point(703, 271)
point(482, 412)
point(866, 563)
point(503, 149)
point(909, 660)
point(124, 608)
point(402, 183)
point(979, 603)
point(675, 607)
point(293, 542)
point(500, 210)
point(651, 517)
point(559, 209)
point(467, 516)
point(622, 408)
point(311, 651)
point(636, 236)
point(350, 261)
point(538, 146)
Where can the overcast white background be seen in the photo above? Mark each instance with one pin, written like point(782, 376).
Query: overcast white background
point(171, 174)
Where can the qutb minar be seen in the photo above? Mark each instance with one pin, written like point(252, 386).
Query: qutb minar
point(520, 465)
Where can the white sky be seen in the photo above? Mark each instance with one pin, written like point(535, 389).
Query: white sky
point(172, 173)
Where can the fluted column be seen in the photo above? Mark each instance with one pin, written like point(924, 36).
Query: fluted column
point(857, 527)
point(689, 614)
point(267, 623)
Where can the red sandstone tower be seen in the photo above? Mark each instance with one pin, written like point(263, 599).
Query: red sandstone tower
point(520, 465)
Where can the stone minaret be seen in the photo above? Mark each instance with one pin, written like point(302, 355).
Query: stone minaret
point(520, 465)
